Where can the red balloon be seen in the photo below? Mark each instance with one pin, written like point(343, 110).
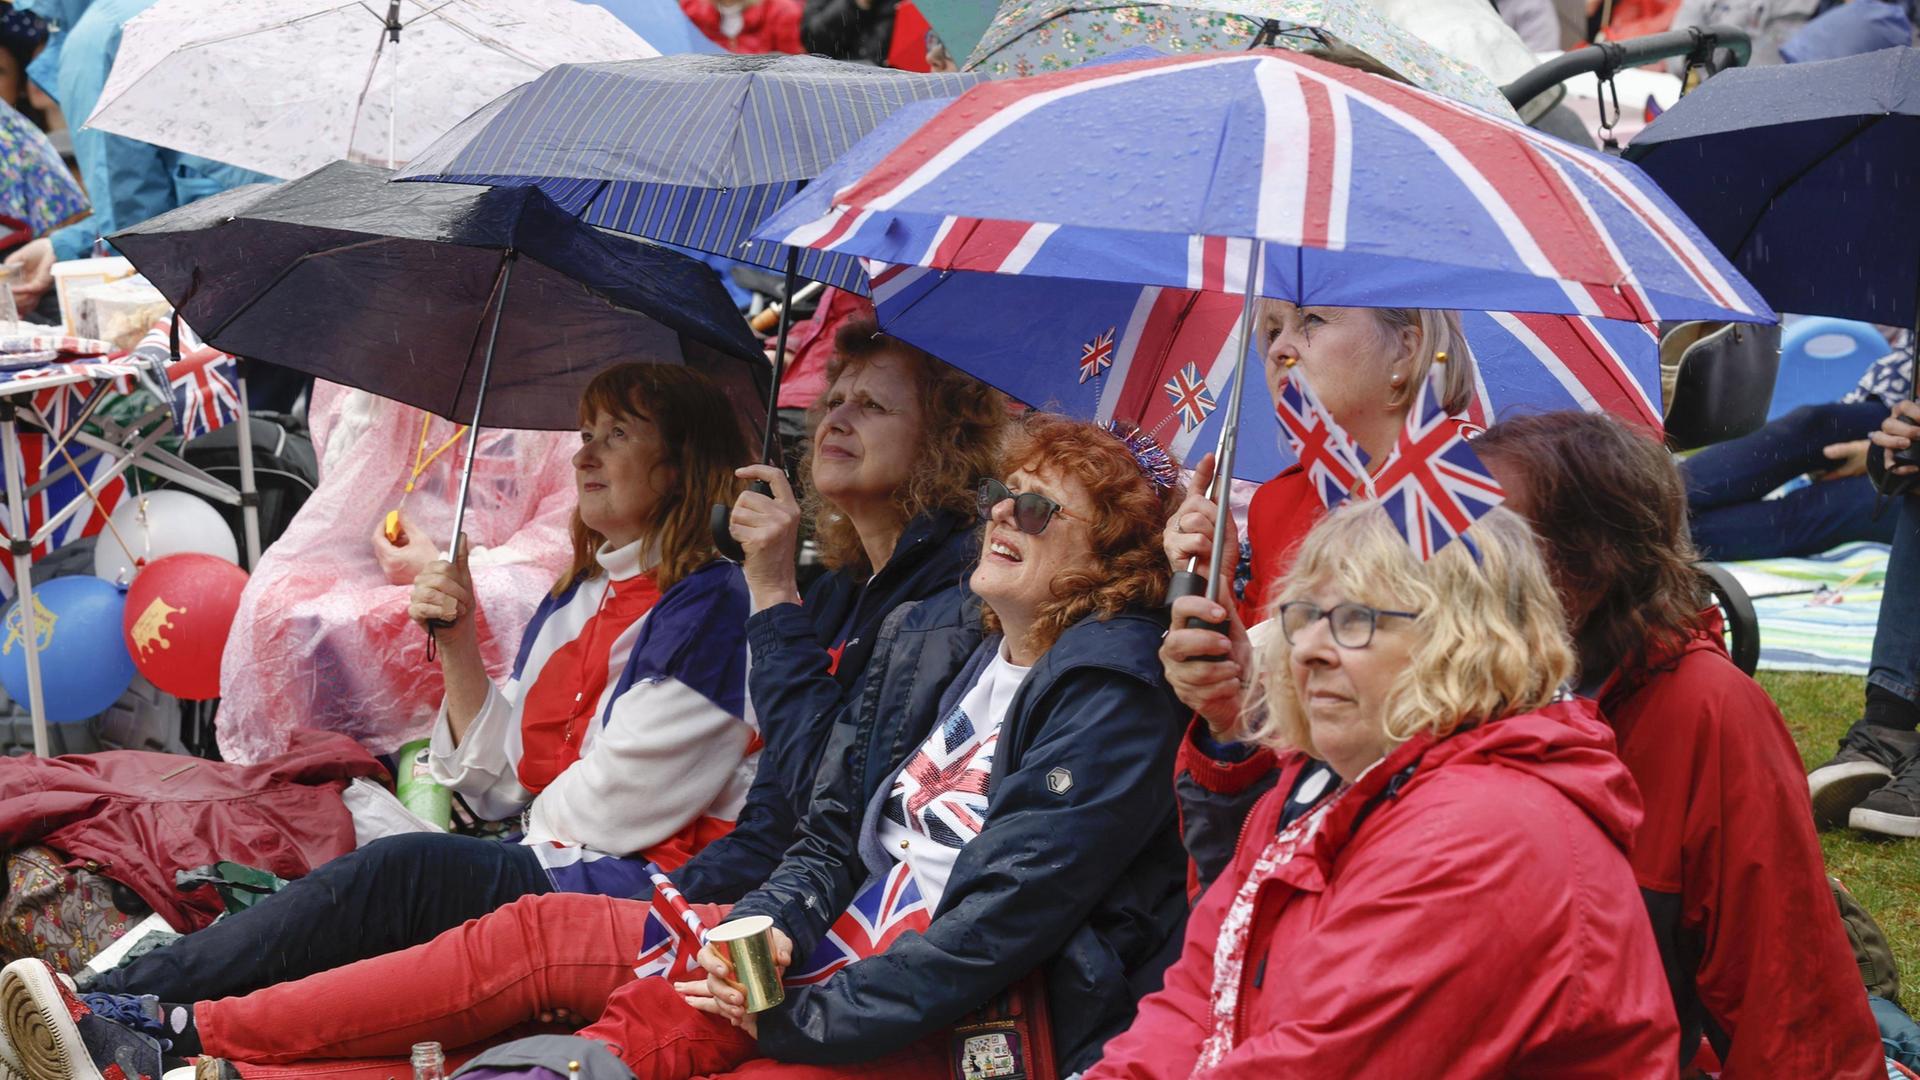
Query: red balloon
point(179, 610)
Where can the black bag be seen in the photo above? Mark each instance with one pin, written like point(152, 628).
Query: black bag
point(285, 470)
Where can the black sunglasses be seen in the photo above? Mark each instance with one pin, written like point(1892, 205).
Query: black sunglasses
point(1032, 511)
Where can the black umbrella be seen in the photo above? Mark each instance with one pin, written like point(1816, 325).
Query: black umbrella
point(1808, 177)
point(483, 305)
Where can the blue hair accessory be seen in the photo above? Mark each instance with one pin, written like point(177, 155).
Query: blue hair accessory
point(1153, 460)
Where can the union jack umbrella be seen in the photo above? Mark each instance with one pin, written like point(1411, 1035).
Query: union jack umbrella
point(1043, 324)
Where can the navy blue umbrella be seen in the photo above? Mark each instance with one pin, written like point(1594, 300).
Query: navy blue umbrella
point(688, 150)
point(1807, 176)
point(486, 306)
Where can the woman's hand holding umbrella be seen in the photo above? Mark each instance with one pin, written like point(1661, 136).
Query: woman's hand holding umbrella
point(443, 605)
point(767, 527)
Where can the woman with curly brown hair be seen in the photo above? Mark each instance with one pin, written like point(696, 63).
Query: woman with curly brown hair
point(1726, 856)
point(899, 441)
point(994, 803)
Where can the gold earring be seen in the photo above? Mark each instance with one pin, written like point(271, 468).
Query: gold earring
point(1440, 357)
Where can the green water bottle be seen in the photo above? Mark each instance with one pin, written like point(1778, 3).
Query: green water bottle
point(418, 790)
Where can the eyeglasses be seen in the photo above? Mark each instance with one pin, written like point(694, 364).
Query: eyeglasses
point(1032, 511)
point(1352, 624)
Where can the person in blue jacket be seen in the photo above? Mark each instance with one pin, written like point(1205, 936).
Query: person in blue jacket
point(128, 180)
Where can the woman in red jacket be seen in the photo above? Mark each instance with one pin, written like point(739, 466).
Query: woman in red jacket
point(748, 26)
point(1366, 366)
point(1460, 905)
point(1726, 858)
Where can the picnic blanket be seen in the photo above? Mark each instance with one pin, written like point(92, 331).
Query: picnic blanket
point(1818, 613)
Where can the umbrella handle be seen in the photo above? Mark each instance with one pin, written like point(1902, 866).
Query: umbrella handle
point(1188, 583)
point(720, 520)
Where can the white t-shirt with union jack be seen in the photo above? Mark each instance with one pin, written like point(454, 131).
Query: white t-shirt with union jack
point(939, 800)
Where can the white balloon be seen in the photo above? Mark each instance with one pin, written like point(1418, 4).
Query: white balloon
point(160, 523)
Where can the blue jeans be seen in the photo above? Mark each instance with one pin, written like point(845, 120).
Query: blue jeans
point(1896, 641)
point(1726, 482)
point(391, 894)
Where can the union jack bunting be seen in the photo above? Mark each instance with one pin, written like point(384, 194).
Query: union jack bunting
point(201, 386)
point(67, 489)
point(1190, 397)
point(1096, 356)
point(1332, 461)
point(1433, 485)
point(672, 937)
point(887, 906)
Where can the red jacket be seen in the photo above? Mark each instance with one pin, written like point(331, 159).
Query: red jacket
point(1476, 918)
point(1731, 871)
point(770, 26)
point(142, 816)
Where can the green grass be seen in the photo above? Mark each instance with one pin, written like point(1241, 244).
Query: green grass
point(1880, 873)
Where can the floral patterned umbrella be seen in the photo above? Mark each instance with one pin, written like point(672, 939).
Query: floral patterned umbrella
point(1032, 36)
point(285, 86)
point(36, 190)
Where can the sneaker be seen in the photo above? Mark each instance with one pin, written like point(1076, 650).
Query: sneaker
point(59, 1036)
point(11, 1067)
point(1868, 757)
point(213, 1068)
point(1894, 809)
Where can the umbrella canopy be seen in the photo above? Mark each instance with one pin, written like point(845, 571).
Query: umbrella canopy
point(1155, 356)
point(285, 86)
point(388, 287)
point(959, 23)
point(1361, 191)
point(35, 186)
point(661, 24)
point(1807, 176)
point(688, 150)
point(1035, 36)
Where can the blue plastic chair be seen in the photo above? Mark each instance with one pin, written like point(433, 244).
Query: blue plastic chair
point(1820, 360)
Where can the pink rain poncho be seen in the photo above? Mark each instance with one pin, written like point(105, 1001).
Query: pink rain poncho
point(322, 640)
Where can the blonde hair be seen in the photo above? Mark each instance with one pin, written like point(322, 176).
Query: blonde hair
point(1439, 333)
point(1492, 636)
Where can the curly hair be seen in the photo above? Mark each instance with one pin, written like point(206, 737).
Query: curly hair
point(1611, 511)
point(704, 441)
point(1127, 568)
point(963, 422)
point(1492, 635)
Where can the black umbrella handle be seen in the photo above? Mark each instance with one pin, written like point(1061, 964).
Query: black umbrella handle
point(720, 521)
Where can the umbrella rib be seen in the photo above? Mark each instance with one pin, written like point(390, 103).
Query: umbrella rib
point(479, 325)
point(281, 276)
point(1781, 188)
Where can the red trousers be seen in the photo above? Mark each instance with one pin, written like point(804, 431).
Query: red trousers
point(493, 975)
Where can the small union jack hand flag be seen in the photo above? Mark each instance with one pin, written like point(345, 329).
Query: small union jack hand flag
point(1190, 396)
point(1096, 356)
point(672, 936)
point(1433, 485)
point(1335, 465)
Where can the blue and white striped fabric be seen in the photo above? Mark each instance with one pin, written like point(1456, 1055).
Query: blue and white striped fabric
point(1364, 192)
point(689, 150)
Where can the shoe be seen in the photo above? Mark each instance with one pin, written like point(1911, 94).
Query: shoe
point(59, 1036)
point(11, 1067)
point(1893, 809)
point(1869, 755)
point(213, 1068)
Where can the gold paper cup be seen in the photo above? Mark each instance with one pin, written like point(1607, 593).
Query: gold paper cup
point(748, 945)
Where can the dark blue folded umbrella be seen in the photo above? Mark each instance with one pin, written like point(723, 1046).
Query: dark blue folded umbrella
point(486, 306)
point(1808, 177)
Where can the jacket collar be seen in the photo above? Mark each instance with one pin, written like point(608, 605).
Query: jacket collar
point(622, 563)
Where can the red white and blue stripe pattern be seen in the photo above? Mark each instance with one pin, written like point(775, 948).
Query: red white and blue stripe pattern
point(1337, 467)
point(201, 385)
point(1365, 191)
point(1433, 485)
point(887, 906)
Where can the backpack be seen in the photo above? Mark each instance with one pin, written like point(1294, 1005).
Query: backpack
point(285, 470)
point(1871, 949)
point(62, 916)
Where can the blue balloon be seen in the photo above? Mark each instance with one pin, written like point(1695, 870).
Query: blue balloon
point(84, 664)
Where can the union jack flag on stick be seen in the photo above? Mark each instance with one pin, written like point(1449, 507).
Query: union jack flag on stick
point(202, 386)
point(672, 937)
point(1433, 485)
point(1335, 464)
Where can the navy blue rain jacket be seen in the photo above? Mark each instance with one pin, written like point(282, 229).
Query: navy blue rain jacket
point(797, 690)
point(1078, 869)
